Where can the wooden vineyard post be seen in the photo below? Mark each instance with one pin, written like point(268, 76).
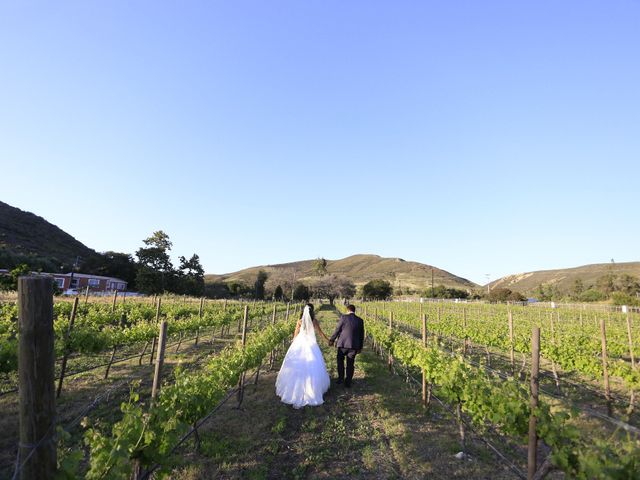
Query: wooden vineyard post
point(633, 363)
point(224, 308)
point(240, 321)
point(245, 317)
point(65, 356)
point(554, 369)
point(86, 295)
point(464, 331)
point(605, 369)
point(37, 448)
point(533, 436)
point(115, 298)
point(273, 322)
point(390, 358)
point(144, 350)
point(426, 395)
point(213, 333)
point(180, 337)
point(162, 340)
point(630, 338)
point(153, 341)
point(461, 431)
point(123, 320)
point(286, 317)
point(513, 365)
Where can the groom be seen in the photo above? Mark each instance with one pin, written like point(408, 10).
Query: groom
point(350, 335)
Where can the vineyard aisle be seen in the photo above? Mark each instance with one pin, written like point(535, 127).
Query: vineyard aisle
point(376, 429)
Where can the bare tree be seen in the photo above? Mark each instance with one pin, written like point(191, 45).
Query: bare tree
point(286, 278)
point(332, 287)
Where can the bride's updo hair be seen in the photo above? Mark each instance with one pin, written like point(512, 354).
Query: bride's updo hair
point(313, 315)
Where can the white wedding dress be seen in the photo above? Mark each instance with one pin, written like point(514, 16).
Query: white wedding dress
point(303, 378)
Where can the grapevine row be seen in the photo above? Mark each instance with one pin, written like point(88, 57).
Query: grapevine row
point(489, 399)
point(147, 433)
point(565, 342)
point(99, 328)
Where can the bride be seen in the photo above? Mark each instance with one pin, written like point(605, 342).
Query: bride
point(303, 378)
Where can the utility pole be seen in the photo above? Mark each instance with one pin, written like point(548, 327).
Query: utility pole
point(73, 269)
point(488, 275)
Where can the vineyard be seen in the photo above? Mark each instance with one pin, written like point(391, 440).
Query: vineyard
point(477, 358)
point(227, 342)
point(183, 387)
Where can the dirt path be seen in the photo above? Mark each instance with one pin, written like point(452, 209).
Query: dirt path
point(376, 429)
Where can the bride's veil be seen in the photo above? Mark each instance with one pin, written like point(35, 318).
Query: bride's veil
point(306, 326)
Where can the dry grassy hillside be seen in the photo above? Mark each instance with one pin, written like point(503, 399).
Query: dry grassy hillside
point(360, 269)
point(565, 278)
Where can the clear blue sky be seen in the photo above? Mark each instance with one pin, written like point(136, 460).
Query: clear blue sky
point(478, 136)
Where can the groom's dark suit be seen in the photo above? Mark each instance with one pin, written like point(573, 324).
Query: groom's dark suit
point(350, 339)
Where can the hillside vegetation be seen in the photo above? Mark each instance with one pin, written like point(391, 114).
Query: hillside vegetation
point(564, 280)
point(360, 269)
point(28, 238)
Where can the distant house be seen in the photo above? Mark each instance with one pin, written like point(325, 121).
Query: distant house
point(81, 281)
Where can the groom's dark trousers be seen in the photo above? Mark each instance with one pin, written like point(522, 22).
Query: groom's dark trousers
point(350, 353)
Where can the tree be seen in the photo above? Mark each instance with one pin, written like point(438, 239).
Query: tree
point(10, 282)
point(191, 276)
point(592, 295)
point(301, 292)
point(261, 278)
point(377, 290)
point(320, 266)
point(278, 294)
point(113, 264)
point(283, 277)
point(216, 290)
point(154, 264)
point(10, 259)
point(628, 284)
point(239, 289)
point(504, 295)
point(332, 287)
point(606, 283)
point(578, 287)
point(546, 291)
point(621, 298)
point(443, 292)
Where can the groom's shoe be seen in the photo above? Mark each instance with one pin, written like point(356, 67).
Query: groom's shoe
point(347, 384)
point(339, 381)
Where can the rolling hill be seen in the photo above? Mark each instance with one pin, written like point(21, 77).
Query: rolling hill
point(360, 269)
point(25, 235)
point(564, 279)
